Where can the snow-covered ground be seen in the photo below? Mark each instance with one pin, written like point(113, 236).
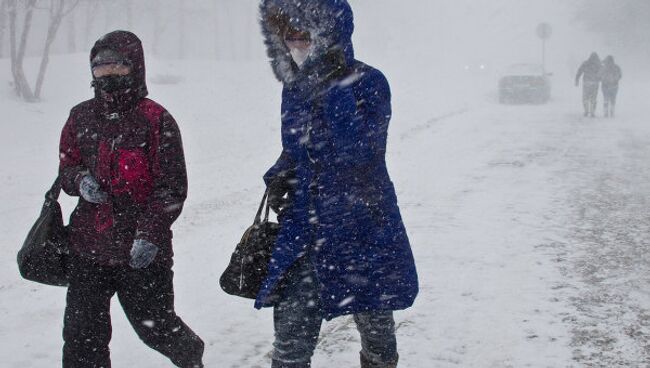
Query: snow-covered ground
point(528, 223)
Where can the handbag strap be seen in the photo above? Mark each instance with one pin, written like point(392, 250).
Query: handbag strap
point(264, 206)
point(55, 190)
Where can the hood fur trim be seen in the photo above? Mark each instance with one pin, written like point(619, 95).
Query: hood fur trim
point(330, 23)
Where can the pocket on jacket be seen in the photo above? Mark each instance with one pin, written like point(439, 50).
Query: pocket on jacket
point(132, 175)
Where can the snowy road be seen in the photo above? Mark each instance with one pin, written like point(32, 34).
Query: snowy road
point(574, 189)
point(606, 256)
point(528, 223)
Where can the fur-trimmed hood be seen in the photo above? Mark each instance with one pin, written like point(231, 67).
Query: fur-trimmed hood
point(330, 23)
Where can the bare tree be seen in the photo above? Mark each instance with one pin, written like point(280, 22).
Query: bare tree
point(91, 16)
point(161, 22)
point(157, 26)
point(11, 11)
point(109, 14)
point(18, 50)
point(72, 33)
point(57, 12)
point(182, 29)
point(3, 24)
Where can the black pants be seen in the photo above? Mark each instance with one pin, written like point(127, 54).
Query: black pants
point(610, 91)
point(147, 297)
point(590, 97)
point(297, 318)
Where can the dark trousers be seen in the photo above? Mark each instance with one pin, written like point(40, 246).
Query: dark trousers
point(297, 318)
point(590, 97)
point(147, 297)
point(610, 91)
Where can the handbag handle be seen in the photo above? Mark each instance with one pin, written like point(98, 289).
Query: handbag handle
point(263, 204)
point(55, 190)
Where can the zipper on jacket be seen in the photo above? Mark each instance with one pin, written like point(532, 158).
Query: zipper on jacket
point(110, 188)
point(308, 142)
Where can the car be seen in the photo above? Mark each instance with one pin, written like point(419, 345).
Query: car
point(525, 83)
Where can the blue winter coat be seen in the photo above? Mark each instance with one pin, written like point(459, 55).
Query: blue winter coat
point(344, 215)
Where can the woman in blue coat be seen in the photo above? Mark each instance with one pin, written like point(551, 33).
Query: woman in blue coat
point(342, 248)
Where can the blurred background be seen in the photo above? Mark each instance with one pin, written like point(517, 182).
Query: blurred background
point(459, 36)
point(488, 191)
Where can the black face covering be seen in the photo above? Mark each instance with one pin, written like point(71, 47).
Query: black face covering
point(114, 83)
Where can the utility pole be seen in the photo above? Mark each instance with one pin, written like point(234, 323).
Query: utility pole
point(544, 32)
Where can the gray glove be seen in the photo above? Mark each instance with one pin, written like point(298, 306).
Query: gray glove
point(90, 190)
point(143, 253)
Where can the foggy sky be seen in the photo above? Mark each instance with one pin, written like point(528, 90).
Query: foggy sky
point(440, 33)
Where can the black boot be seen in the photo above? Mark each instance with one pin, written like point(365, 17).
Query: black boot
point(366, 363)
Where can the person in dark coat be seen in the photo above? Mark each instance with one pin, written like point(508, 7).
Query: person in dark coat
point(342, 248)
point(611, 75)
point(122, 155)
point(589, 71)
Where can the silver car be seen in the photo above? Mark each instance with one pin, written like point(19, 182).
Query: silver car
point(525, 83)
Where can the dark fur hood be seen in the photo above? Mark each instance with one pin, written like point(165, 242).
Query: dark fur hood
point(330, 23)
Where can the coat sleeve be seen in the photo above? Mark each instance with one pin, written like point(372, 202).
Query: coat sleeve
point(283, 167)
point(166, 201)
point(71, 168)
point(359, 127)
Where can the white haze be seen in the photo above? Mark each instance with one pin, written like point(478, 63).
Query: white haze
point(436, 37)
point(507, 207)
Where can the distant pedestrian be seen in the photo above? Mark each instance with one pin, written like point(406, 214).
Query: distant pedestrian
point(590, 73)
point(610, 76)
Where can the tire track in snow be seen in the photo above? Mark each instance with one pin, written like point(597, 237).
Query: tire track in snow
point(431, 122)
point(606, 258)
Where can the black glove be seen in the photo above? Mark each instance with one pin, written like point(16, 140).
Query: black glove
point(279, 189)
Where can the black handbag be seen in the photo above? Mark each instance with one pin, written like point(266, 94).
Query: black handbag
point(43, 256)
point(249, 262)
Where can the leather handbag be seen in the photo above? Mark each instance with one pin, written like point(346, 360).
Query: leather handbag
point(249, 262)
point(43, 258)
